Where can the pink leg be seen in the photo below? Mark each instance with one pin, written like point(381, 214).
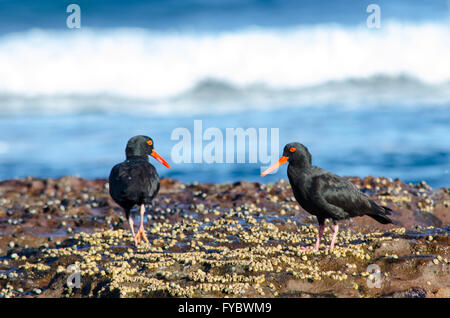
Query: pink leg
point(130, 220)
point(141, 231)
point(319, 237)
point(142, 215)
point(333, 239)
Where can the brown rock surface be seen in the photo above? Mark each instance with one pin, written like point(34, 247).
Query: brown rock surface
point(241, 239)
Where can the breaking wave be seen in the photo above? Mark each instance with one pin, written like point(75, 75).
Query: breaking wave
point(138, 70)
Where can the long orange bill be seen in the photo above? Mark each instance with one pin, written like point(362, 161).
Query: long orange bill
point(280, 162)
point(159, 158)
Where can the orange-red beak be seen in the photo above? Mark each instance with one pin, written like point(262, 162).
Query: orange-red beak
point(280, 162)
point(159, 158)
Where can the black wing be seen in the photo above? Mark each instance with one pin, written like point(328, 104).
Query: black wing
point(134, 182)
point(339, 198)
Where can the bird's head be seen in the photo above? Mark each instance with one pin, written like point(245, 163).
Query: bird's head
point(142, 146)
point(294, 153)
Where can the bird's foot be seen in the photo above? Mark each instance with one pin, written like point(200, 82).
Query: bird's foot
point(140, 234)
point(330, 247)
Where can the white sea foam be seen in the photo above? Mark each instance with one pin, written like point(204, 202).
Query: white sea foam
point(101, 70)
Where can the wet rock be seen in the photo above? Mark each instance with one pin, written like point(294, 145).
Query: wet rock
point(415, 292)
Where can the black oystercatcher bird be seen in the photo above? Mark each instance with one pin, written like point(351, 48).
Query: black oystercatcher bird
point(325, 194)
point(135, 181)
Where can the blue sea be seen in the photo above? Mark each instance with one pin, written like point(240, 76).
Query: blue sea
point(365, 101)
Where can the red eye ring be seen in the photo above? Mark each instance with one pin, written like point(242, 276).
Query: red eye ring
point(292, 149)
point(150, 142)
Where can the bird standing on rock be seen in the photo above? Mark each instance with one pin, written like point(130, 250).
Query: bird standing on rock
point(135, 181)
point(325, 194)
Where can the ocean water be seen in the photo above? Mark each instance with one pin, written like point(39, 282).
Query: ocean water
point(364, 101)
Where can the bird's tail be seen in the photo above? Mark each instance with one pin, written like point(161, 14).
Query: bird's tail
point(380, 213)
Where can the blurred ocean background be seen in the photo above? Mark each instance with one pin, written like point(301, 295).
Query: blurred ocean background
point(364, 101)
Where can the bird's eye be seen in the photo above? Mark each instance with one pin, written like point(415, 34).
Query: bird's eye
point(150, 142)
point(292, 149)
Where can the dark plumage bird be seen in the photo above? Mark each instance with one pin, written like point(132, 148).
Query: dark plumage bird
point(135, 181)
point(325, 194)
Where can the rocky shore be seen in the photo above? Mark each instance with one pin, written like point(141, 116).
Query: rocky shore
point(236, 240)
